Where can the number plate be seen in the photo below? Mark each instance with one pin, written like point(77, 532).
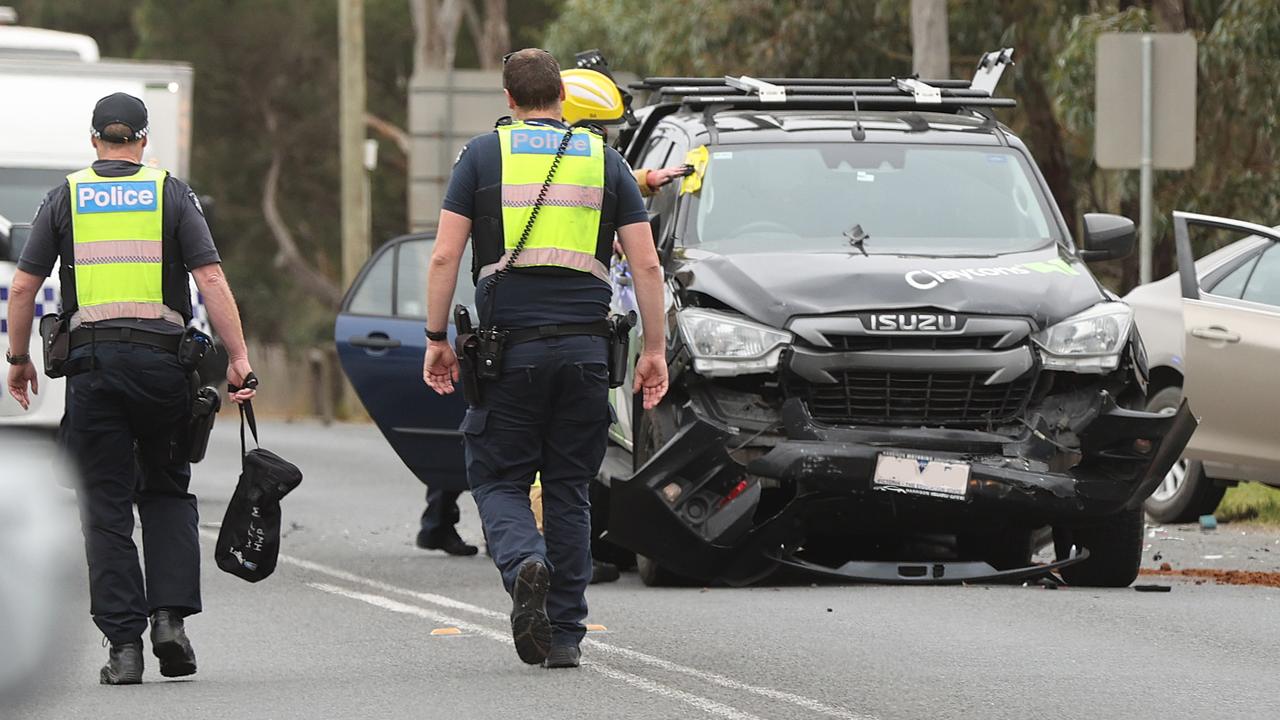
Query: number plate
point(919, 475)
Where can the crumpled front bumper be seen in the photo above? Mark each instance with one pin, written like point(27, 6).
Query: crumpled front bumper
point(705, 532)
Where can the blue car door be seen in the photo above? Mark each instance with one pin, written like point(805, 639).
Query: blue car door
point(379, 333)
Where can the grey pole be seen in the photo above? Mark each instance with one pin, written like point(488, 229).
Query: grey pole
point(1146, 200)
point(351, 100)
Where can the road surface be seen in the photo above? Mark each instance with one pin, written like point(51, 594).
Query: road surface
point(350, 627)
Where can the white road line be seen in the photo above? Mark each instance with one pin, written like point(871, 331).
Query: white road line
point(800, 701)
point(706, 705)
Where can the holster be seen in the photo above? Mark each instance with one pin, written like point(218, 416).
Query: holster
point(467, 348)
point(204, 410)
point(55, 335)
point(620, 347)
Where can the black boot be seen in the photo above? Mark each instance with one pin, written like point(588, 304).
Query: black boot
point(124, 665)
point(169, 643)
point(563, 656)
point(449, 542)
point(603, 572)
point(530, 626)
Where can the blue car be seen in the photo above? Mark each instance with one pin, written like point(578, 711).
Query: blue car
point(381, 345)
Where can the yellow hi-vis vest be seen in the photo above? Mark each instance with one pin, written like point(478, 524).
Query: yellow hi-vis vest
point(118, 239)
point(568, 226)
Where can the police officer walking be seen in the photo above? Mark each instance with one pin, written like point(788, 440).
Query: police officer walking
point(127, 235)
point(542, 204)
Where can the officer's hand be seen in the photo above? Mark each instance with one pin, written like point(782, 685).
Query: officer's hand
point(237, 370)
point(19, 377)
point(651, 378)
point(657, 178)
point(440, 367)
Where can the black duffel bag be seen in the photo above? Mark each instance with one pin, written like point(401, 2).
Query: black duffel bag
point(249, 541)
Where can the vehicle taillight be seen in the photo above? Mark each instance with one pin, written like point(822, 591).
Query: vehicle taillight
point(735, 492)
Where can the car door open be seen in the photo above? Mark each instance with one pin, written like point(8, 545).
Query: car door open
point(1231, 356)
point(379, 333)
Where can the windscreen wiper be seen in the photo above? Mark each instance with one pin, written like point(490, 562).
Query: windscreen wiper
point(857, 236)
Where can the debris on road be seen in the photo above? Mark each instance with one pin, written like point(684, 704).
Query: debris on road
point(1208, 522)
point(1153, 588)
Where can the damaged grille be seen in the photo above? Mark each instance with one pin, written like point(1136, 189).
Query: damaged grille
point(905, 398)
point(912, 342)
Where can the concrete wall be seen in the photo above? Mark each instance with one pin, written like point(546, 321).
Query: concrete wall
point(445, 110)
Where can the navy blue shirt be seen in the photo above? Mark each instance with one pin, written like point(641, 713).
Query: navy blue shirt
point(526, 300)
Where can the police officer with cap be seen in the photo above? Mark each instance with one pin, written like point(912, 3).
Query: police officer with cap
point(541, 204)
point(127, 235)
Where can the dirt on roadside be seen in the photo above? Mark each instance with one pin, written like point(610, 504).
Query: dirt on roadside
point(1221, 577)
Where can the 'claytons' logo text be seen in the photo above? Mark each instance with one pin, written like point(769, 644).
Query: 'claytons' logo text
point(929, 279)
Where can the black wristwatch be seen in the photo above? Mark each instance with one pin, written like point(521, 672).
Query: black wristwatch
point(17, 359)
point(436, 336)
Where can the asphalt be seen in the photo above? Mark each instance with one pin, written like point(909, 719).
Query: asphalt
point(344, 629)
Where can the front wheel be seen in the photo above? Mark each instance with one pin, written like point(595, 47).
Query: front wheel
point(1186, 492)
point(1115, 550)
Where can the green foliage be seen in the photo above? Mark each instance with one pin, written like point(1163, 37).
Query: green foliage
point(1236, 173)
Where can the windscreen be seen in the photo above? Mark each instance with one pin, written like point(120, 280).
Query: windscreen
point(895, 199)
point(22, 189)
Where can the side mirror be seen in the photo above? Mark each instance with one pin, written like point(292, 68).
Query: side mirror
point(1107, 237)
point(11, 249)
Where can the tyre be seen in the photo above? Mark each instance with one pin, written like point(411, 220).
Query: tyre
point(654, 575)
point(1115, 550)
point(1186, 492)
point(602, 549)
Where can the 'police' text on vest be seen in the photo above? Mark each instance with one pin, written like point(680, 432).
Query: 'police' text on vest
point(117, 196)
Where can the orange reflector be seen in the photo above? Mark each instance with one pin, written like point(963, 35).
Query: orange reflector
point(446, 631)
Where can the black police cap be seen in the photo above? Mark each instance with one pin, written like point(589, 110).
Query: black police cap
point(120, 108)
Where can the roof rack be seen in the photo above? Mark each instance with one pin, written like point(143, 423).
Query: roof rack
point(746, 92)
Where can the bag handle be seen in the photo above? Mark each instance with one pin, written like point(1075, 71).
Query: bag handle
point(246, 413)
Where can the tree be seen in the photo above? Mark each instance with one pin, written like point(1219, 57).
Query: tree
point(1238, 131)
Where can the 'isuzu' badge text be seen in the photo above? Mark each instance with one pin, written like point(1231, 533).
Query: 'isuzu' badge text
point(912, 322)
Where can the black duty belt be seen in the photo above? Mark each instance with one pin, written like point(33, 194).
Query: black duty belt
point(87, 336)
point(522, 335)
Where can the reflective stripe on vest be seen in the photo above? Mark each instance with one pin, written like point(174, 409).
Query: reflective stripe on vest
point(118, 240)
point(568, 226)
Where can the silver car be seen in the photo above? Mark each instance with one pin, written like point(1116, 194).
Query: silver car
point(1212, 333)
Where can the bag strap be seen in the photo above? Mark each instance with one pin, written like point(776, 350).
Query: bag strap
point(246, 414)
point(501, 272)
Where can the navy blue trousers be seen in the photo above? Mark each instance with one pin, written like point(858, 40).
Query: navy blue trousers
point(548, 414)
point(121, 419)
point(441, 516)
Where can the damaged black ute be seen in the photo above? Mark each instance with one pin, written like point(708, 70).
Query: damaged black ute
point(888, 359)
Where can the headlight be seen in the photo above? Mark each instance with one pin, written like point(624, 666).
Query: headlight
point(1087, 342)
point(725, 344)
